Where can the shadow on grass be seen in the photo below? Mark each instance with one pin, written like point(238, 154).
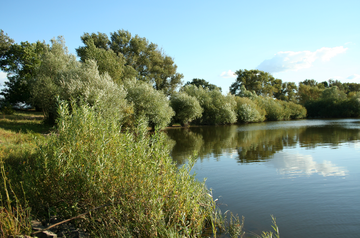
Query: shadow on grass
point(25, 126)
point(24, 122)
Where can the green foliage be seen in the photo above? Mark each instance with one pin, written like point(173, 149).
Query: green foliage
point(218, 109)
point(277, 110)
point(262, 83)
point(107, 60)
point(6, 108)
point(309, 91)
point(187, 108)
point(143, 60)
point(274, 110)
point(89, 162)
point(149, 104)
point(14, 218)
point(5, 43)
point(202, 83)
point(248, 111)
point(333, 94)
point(295, 111)
point(60, 75)
point(20, 61)
point(287, 93)
point(333, 103)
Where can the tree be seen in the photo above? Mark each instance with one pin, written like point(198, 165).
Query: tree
point(262, 83)
point(202, 83)
point(20, 62)
point(287, 92)
point(186, 107)
point(62, 76)
point(5, 43)
point(309, 90)
point(142, 59)
point(107, 60)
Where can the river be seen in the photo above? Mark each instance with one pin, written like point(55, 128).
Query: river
point(304, 172)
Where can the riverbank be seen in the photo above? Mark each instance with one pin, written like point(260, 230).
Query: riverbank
point(87, 164)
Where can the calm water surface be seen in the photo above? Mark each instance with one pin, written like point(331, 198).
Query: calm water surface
point(306, 173)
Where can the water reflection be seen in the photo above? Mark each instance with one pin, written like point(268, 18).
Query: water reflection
point(259, 142)
point(246, 166)
point(293, 165)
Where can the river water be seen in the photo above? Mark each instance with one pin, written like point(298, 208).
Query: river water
point(305, 172)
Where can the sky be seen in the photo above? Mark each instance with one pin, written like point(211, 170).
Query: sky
point(292, 40)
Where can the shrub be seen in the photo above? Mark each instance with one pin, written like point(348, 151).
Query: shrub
point(187, 108)
point(149, 104)
point(248, 111)
point(218, 109)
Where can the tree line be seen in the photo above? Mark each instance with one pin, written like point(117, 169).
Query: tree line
point(135, 80)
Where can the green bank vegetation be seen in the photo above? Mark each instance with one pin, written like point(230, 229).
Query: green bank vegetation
point(99, 153)
point(90, 162)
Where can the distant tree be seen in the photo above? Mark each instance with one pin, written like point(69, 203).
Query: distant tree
point(262, 83)
point(309, 91)
point(310, 82)
point(336, 83)
point(287, 92)
point(186, 107)
point(20, 62)
point(353, 87)
point(142, 59)
point(333, 94)
point(204, 84)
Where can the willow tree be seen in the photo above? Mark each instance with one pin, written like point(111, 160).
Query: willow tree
point(142, 59)
point(62, 76)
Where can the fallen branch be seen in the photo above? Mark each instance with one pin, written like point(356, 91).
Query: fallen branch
point(83, 214)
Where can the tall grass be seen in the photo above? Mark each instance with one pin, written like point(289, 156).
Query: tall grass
point(14, 217)
point(91, 162)
point(124, 182)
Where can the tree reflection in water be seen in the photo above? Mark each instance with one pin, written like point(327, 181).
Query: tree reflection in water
point(259, 141)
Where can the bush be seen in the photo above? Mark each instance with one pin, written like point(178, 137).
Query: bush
point(296, 111)
point(149, 104)
point(274, 110)
point(248, 111)
point(187, 108)
point(218, 109)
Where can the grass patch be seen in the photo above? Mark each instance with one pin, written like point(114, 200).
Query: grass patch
point(25, 122)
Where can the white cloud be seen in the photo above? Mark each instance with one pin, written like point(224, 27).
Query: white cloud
point(291, 60)
point(354, 77)
point(228, 74)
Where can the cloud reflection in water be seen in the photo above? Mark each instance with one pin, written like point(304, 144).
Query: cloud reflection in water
point(294, 165)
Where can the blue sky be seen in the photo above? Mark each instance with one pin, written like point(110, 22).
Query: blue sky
point(293, 40)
